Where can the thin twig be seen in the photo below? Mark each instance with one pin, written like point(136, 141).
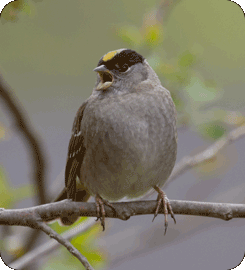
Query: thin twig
point(189, 162)
point(45, 228)
point(50, 246)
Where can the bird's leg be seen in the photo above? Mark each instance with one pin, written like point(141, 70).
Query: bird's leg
point(100, 205)
point(162, 199)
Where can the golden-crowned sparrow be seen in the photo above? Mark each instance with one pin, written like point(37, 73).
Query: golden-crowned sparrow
point(124, 139)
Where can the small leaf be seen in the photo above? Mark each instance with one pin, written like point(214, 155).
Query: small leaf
point(213, 130)
point(187, 60)
point(198, 92)
point(153, 35)
point(131, 35)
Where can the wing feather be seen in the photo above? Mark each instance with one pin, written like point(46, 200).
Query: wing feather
point(76, 152)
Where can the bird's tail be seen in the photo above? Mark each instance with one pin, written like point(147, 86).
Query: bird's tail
point(82, 195)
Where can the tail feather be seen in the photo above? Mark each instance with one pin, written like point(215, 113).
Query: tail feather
point(82, 195)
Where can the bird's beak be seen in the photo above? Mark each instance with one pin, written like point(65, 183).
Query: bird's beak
point(106, 77)
point(101, 68)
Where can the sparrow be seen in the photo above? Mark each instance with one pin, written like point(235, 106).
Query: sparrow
point(124, 138)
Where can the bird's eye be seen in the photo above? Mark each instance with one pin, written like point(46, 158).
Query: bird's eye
point(124, 67)
point(121, 67)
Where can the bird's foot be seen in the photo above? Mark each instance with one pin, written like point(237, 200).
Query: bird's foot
point(100, 204)
point(163, 200)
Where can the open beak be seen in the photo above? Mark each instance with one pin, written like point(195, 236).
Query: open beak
point(106, 78)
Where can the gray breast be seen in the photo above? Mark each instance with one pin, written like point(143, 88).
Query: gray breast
point(130, 144)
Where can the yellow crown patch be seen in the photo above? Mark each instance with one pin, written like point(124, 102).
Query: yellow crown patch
point(111, 54)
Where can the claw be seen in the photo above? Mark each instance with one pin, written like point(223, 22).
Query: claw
point(163, 200)
point(166, 226)
point(100, 205)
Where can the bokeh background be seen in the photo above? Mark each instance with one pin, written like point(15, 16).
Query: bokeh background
point(48, 50)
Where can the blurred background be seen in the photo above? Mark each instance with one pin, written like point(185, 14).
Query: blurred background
point(48, 50)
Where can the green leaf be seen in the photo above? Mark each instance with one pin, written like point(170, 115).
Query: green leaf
point(186, 60)
point(213, 130)
point(61, 228)
point(130, 35)
point(198, 92)
point(153, 35)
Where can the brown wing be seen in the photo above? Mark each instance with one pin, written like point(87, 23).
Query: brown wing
point(76, 152)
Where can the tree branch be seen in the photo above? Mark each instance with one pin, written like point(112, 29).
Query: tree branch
point(30, 138)
point(33, 146)
point(47, 212)
point(30, 216)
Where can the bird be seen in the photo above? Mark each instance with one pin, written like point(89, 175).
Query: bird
point(124, 137)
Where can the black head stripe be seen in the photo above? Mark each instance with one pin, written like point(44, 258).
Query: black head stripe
point(122, 60)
